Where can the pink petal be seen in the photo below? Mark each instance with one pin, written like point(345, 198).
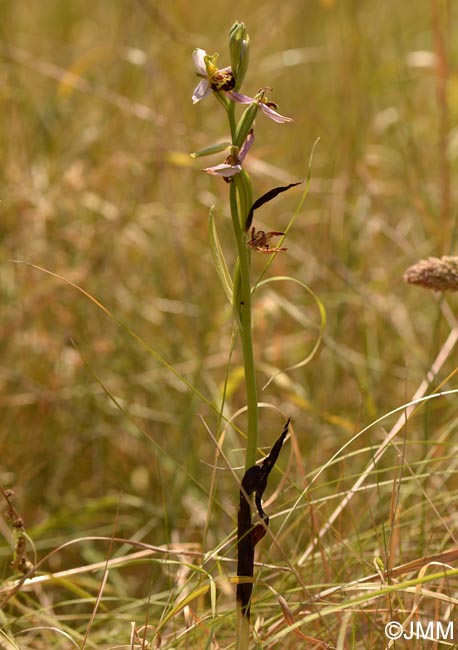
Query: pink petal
point(224, 169)
point(273, 115)
point(244, 149)
point(239, 98)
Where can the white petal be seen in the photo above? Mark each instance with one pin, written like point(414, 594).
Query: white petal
point(200, 91)
point(199, 62)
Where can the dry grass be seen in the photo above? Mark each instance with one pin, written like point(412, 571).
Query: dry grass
point(100, 439)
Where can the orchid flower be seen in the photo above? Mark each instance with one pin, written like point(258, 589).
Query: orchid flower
point(233, 163)
point(266, 106)
point(211, 77)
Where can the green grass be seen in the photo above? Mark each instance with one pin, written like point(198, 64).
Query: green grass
point(99, 438)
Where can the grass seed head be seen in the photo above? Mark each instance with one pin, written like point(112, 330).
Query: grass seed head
point(438, 273)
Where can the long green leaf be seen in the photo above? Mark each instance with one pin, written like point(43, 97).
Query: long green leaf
point(218, 257)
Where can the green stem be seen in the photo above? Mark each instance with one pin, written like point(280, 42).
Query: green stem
point(242, 303)
point(231, 117)
point(241, 189)
point(243, 631)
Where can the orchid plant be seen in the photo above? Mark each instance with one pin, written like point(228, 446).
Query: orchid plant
point(224, 84)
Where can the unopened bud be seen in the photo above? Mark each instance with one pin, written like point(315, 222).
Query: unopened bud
point(239, 42)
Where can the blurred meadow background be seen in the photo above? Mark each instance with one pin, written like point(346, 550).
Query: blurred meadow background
point(100, 437)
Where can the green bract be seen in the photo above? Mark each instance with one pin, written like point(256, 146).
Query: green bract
point(214, 148)
point(246, 123)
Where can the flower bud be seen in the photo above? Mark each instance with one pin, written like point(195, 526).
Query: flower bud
point(239, 42)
